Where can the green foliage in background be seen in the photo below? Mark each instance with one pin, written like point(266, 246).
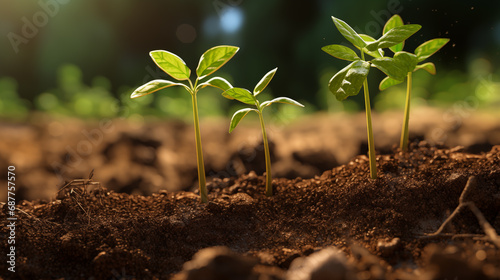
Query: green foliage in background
point(76, 99)
point(11, 105)
point(480, 83)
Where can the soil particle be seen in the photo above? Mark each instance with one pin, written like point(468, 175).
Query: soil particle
point(387, 248)
point(329, 263)
point(218, 263)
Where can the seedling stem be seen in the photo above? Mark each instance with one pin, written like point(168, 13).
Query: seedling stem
point(371, 142)
point(406, 122)
point(269, 179)
point(199, 151)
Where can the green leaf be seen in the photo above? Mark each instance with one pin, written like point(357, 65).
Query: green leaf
point(171, 64)
point(262, 84)
point(285, 100)
point(388, 82)
point(429, 67)
point(397, 67)
point(349, 33)
point(213, 59)
point(238, 116)
point(368, 39)
point(429, 48)
point(241, 94)
point(394, 36)
point(348, 81)
point(341, 52)
point(216, 82)
point(394, 21)
point(153, 86)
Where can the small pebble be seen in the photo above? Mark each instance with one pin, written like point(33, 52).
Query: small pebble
point(329, 263)
point(388, 248)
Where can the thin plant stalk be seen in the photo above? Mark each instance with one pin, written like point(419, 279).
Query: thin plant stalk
point(199, 151)
point(211, 60)
point(371, 142)
point(247, 97)
point(406, 122)
point(269, 179)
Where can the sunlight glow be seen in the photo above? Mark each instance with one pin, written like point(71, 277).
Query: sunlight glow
point(231, 20)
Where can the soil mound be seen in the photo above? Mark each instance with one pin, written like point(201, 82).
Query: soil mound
point(378, 227)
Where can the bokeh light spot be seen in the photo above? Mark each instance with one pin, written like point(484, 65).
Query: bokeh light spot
point(186, 33)
point(47, 101)
point(231, 20)
point(83, 107)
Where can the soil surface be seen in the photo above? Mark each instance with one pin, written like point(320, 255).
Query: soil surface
point(376, 227)
point(145, 221)
point(144, 157)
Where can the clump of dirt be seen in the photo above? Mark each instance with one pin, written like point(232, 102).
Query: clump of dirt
point(379, 226)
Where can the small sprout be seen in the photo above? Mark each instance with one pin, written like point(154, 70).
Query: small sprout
point(245, 96)
point(403, 64)
point(348, 81)
point(210, 61)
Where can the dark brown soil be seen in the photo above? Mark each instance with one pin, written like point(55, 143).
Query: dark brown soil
point(107, 235)
point(146, 157)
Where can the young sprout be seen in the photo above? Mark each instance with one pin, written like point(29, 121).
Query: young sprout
point(245, 96)
point(210, 61)
point(348, 81)
point(401, 69)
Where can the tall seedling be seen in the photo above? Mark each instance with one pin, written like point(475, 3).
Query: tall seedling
point(348, 81)
point(397, 72)
point(245, 96)
point(210, 61)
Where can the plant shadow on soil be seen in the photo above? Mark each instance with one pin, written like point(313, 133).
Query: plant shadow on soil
point(376, 224)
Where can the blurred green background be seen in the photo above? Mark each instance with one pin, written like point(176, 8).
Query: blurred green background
point(83, 58)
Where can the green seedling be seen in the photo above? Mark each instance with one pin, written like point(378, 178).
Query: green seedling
point(245, 96)
point(210, 61)
point(348, 81)
point(401, 69)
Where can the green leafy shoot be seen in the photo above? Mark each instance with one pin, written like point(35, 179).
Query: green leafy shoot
point(349, 33)
point(211, 61)
point(394, 37)
point(403, 64)
point(394, 21)
point(349, 81)
point(247, 97)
